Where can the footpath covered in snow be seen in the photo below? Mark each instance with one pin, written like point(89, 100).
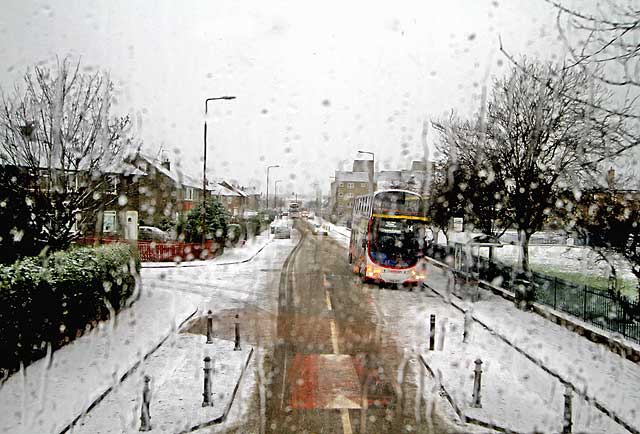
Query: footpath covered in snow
point(517, 393)
point(528, 361)
point(48, 395)
point(102, 372)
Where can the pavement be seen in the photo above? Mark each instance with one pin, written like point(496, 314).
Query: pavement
point(177, 386)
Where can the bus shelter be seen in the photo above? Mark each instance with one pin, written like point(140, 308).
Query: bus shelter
point(467, 260)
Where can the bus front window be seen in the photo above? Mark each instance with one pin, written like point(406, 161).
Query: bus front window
point(394, 242)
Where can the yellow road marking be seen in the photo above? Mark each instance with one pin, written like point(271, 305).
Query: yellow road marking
point(328, 301)
point(346, 421)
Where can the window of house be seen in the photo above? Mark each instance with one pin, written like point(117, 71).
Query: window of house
point(112, 184)
point(340, 194)
point(189, 194)
point(363, 184)
point(341, 184)
point(350, 185)
point(109, 222)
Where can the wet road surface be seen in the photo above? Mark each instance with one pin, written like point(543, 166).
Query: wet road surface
point(333, 368)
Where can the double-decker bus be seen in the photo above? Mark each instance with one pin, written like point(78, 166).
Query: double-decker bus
point(387, 237)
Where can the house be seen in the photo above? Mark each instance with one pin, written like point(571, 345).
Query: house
point(166, 194)
point(98, 201)
point(232, 198)
point(354, 183)
point(118, 216)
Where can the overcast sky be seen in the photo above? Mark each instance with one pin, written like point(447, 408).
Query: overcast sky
point(314, 81)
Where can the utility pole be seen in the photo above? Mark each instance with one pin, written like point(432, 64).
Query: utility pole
point(204, 166)
point(371, 172)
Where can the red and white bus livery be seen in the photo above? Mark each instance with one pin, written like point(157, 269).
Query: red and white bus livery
point(387, 237)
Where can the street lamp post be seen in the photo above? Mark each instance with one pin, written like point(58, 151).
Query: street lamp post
point(204, 165)
point(371, 170)
point(275, 187)
point(269, 167)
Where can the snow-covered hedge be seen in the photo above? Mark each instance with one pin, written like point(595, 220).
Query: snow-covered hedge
point(54, 299)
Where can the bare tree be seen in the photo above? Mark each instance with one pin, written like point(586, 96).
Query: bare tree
point(542, 139)
point(58, 139)
point(472, 181)
point(604, 46)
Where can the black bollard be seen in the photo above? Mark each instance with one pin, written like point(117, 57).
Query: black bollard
point(477, 384)
point(567, 424)
point(237, 340)
point(207, 401)
point(209, 328)
point(145, 415)
point(432, 332)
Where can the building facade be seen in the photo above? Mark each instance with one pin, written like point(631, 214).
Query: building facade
point(350, 184)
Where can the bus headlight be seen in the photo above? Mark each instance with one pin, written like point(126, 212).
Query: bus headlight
point(417, 276)
point(372, 272)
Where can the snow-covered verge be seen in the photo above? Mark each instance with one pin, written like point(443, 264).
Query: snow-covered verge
point(604, 378)
point(578, 259)
point(50, 394)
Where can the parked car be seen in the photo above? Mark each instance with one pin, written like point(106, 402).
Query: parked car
point(319, 229)
point(151, 233)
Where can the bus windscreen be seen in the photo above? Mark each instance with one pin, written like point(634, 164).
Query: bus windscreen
point(394, 242)
point(397, 203)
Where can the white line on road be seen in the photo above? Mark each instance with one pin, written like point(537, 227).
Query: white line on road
point(344, 413)
point(334, 337)
point(346, 421)
point(328, 301)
